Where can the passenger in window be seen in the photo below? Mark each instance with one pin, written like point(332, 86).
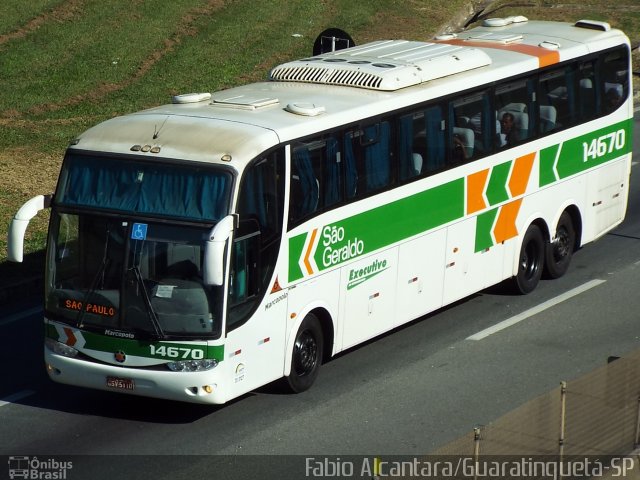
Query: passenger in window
point(459, 149)
point(611, 100)
point(508, 130)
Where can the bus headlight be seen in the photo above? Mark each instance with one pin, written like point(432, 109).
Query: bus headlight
point(192, 365)
point(60, 348)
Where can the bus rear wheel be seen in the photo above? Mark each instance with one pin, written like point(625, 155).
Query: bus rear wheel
point(531, 260)
point(559, 252)
point(307, 355)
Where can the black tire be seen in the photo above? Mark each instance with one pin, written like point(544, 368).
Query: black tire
point(530, 261)
point(307, 355)
point(559, 252)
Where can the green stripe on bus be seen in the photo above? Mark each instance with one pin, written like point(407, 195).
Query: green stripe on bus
point(547, 159)
point(581, 153)
point(50, 331)
point(380, 227)
point(296, 244)
point(497, 187)
point(595, 148)
point(140, 348)
point(484, 224)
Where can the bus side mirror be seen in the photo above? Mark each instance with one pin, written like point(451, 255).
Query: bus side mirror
point(214, 258)
point(19, 224)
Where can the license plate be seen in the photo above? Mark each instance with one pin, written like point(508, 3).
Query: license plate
point(120, 383)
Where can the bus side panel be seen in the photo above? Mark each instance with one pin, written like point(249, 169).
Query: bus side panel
point(606, 198)
point(321, 291)
point(466, 270)
point(420, 276)
point(254, 352)
point(369, 302)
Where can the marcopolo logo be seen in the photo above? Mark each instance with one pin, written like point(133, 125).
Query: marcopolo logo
point(38, 469)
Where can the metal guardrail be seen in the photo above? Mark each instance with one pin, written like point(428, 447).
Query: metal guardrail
point(597, 414)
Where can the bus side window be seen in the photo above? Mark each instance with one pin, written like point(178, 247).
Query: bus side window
point(469, 128)
point(351, 170)
point(421, 143)
point(586, 95)
point(556, 89)
point(377, 156)
point(411, 146)
point(305, 186)
point(368, 159)
point(316, 177)
point(614, 86)
point(435, 138)
point(513, 121)
point(256, 241)
point(245, 276)
point(332, 190)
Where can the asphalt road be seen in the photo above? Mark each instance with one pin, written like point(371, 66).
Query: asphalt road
point(405, 393)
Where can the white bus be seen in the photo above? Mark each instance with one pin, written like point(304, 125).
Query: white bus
point(204, 248)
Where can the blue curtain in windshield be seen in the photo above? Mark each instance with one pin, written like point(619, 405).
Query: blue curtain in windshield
point(135, 187)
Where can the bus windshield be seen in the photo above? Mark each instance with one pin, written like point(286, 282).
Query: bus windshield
point(116, 275)
point(109, 269)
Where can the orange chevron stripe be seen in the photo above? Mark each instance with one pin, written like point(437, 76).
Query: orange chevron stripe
point(545, 57)
point(520, 174)
point(71, 338)
point(307, 254)
point(475, 188)
point(506, 224)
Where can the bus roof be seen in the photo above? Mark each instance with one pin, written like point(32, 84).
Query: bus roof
point(310, 95)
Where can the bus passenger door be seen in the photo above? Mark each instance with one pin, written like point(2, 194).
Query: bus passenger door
point(369, 296)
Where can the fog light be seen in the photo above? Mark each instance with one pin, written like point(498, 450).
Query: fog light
point(208, 388)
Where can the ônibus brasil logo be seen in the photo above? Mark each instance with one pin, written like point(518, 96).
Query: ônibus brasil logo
point(35, 468)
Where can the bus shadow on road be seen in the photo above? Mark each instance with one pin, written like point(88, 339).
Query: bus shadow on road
point(97, 403)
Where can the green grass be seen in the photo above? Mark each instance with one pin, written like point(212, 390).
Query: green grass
point(68, 64)
point(21, 12)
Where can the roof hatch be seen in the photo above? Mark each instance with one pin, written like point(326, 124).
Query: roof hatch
point(383, 65)
point(502, 38)
point(244, 102)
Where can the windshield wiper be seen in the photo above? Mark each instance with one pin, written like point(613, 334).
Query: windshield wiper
point(151, 313)
point(94, 282)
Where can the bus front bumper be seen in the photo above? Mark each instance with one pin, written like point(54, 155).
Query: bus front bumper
point(193, 387)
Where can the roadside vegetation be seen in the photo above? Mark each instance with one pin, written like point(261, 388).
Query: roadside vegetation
point(68, 64)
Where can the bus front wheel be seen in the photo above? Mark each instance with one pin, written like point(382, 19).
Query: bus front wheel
point(307, 355)
point(531, 260)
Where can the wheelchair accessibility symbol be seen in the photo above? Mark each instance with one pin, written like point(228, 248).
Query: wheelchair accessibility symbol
point(139, 231)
